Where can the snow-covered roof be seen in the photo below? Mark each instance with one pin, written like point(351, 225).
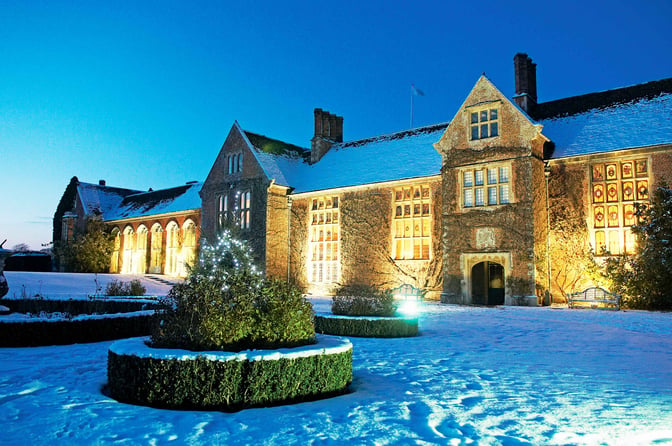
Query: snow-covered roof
point(397, 156)
point(164, 201)
point(620, 126)
point(275, 157)
point(101, 200)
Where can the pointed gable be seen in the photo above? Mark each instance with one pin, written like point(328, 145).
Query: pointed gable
point(487, 119)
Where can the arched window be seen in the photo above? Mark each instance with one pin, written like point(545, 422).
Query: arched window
point(189, 245)
point(127, 260)
point(156, 258)
point(172, 248)
point(140, 260)
point(114, 261)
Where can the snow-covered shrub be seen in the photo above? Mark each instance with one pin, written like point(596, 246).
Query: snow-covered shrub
point(363, 300)
point(644, 278)
point(230, 382)
point(374, 327)
point(226, 304)
point(119, 288)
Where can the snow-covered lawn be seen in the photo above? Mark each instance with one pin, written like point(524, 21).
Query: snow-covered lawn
point(505, 375)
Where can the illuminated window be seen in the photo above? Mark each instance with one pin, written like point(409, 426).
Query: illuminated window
point(485, 186)
point(157, 249)
point(615, 187)
point(244, 210)
point(324, 242)
point(222, 210)
point(412, 222)
point(484, 123)
point(172, 246)
point(140, 259)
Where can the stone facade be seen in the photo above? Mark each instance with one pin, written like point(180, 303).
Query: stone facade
point(513, 202)
point(508, 232)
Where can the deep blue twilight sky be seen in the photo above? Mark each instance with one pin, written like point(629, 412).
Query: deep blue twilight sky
point(143, 94)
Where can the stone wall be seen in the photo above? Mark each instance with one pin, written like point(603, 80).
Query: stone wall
point(366, 242)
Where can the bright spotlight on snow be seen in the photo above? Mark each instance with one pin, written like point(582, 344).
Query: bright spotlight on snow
point(409, 308)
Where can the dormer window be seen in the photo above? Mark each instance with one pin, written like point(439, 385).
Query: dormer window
point(484, 123)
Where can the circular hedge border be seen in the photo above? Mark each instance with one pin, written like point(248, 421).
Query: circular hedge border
point(366, 326)
point(227, 381)
point(118, 319)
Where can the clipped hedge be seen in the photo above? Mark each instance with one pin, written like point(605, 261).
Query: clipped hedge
point(183, 379)
point(76, 307)
point(367, 327)
point(36, 332)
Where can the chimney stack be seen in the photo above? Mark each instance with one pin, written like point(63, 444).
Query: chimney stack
point(101, 182)
point(328, 130)
point(525, 72)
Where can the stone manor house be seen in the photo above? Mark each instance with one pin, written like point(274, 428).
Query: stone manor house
point(506, 200)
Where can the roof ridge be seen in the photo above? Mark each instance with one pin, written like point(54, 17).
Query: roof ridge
point(602, 99)
point(394, 135)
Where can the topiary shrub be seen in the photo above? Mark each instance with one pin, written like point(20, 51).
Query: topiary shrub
point(225, 380)
point(226, 304)
point(363, 300)
point(119, 288)
point(373, 327)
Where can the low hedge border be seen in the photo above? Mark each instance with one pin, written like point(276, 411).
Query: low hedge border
point(227, 381)
point(32, 332)
point(366, 326)
point(79, 306)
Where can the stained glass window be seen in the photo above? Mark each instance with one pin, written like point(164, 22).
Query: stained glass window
point(616, 187)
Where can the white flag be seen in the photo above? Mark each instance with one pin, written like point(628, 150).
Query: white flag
point(416, 91)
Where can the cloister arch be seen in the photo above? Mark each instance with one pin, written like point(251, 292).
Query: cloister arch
point(172, 248)
point(128, 247)
point(140, 258)
point(114, 261)
point(156, 250)
point(189, 245)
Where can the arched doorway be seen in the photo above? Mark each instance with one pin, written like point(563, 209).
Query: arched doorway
point(487, 283)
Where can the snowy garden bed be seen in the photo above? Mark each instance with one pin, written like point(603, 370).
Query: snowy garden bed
point(184, 379)
point(366, 326)
point(35, 322)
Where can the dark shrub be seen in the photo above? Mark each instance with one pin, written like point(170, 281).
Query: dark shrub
point(119, 288)
point(363, 300)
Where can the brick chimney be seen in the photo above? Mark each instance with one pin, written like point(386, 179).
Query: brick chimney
point(526, 82)
point(328, 130)
point(101, 182)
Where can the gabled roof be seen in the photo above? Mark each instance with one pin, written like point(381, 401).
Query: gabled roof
point(101, 200)
point(397, 156)
point(164, 201)
point(607, 121)
point(275, 157)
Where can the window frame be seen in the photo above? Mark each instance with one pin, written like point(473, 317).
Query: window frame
point(615, 186)
point(412, 222)
point(479, 182)
point(483, 120)
point(324, 240)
